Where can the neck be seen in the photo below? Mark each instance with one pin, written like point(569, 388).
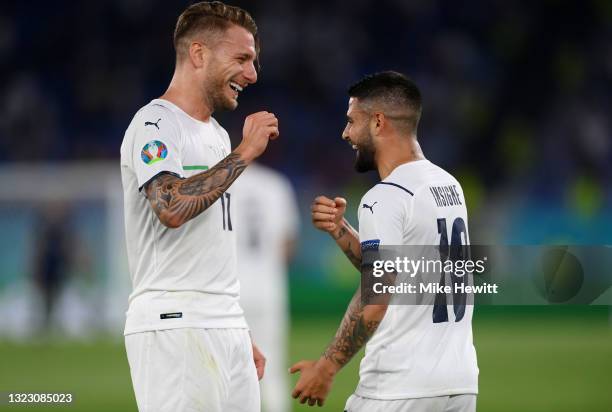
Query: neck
point(190, 99)
point(403, 150)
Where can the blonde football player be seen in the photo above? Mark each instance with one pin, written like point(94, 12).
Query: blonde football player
point(187, 342)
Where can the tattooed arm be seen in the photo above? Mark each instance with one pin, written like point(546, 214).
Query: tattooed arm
point(357, 327)
point(328, 216)
point(347, 239)
point(176, 201)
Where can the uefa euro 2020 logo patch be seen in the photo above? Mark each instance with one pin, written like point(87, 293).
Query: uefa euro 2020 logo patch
point(153, 152)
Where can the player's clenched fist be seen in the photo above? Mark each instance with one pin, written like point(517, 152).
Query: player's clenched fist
point(327, 213)
point(258, 129)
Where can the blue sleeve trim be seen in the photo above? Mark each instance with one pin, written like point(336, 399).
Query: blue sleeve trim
point(370, 245)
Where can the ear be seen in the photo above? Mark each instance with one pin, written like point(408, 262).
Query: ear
point(198, 54)
point(378, 123)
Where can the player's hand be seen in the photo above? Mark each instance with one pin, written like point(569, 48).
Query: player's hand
point(258, 129)
point(260, 361)
point(316, 378)
point(327, 214)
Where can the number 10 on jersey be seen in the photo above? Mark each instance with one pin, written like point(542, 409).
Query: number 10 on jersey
point(457, 250)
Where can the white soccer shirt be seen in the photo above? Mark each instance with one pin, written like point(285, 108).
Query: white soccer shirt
point(410, 356)
point(182, 277)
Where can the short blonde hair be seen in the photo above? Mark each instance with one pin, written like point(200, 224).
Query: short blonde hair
point(210, 19)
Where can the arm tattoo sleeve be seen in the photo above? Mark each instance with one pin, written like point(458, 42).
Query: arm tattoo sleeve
point(347, 245)
point(355, 260)
point(176, 201)
point(353, 333)
point(341, 233)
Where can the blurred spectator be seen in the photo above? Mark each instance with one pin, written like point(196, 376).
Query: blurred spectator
point(54, 253)
point(485, 69)
point(266, 227)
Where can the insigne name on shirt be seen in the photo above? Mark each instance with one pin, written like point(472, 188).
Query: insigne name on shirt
point(445, 195)
point(365, 206)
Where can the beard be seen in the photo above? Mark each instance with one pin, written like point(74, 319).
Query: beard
point(364, 162)
point(216, 90)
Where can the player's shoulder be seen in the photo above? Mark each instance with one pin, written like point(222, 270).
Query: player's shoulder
point(419, 175)
point(386, 198)
point(154, 117)
point(405, 183)
point(157, 114)
point(437, 179)
point(389, 189)
point(154, 121)
point(443, 173)
point(407, 178)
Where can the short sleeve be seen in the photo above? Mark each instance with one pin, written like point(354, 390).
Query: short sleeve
point(157, 144)
point(381, 218)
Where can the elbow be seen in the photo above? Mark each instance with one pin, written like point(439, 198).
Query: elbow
point(170, 221)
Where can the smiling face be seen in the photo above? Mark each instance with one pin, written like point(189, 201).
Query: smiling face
point(357, 134)
point(231, 68)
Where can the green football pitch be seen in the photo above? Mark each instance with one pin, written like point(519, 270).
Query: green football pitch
point(530, 359)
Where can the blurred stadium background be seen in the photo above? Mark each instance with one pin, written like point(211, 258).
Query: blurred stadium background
point(517, 104)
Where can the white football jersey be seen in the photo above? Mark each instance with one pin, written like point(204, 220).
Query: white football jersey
point(182, 277)
point(412, 354)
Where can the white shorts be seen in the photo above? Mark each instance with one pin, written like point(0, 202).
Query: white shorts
point(189, 369)
point(453, 403)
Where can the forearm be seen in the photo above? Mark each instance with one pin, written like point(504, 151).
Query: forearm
point(176, 201)
point(347, 239)
point(357, 327)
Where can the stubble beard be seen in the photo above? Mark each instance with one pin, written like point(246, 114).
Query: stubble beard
point(365, 162)
point(216, 92)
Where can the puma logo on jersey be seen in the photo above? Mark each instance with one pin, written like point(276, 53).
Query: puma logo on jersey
point(153, 124)
point(364, 206)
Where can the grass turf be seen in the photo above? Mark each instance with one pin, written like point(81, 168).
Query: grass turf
point(530, 359)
